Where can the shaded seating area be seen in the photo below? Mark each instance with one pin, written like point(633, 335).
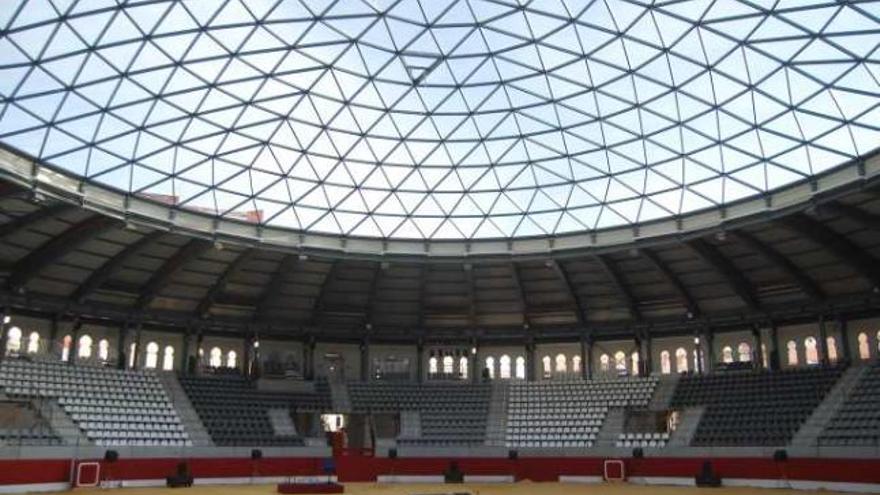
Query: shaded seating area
point(111, 407)
point(857, 422)
point(571, 413)
point(450, 414)
point(759, 408)
point(236, 413)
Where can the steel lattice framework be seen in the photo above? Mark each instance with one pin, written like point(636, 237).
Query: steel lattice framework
point(441, 119)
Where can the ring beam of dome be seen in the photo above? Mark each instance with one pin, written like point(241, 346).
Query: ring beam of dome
point(443, 120)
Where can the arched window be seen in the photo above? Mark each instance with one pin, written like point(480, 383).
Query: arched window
point(103, 350)
point(168, 358)
point(66, 343)
point(215, 358)
point(864, 348)
point(504, 367)
point(85, 347)
point(490, 365)
point(521, 368)
point(463, 367)
point(620, 361)
point(792, 353)
point(727, 354)
point(604, 362)
point(231, 359)
point(635, 363)
point(432, 365)
point(152, 356)
point(681, 360)
point(561, 364)
point(665, 363)
point(33, 346)
point(13, 340)
point(831, 349)
point(811, 352)
point(547, 368)
point(448, 365)
point(575, 364)
point(745, 352)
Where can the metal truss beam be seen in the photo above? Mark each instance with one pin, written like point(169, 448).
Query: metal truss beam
point(731, 274)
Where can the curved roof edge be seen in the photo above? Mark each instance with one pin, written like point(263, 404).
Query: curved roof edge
point(56, 183)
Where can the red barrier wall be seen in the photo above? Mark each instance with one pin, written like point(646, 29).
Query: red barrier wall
point(367, 468)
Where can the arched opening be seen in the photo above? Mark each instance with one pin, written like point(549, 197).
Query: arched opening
point(545, 361)
point(66, 343)
point(490, 365)
point(864, 347)
point(792, 353)
point(432, 366)
point(665, 363)
point(84, 350)
point(561, 364)
point(681, 360)
point(168, 358)
point(831, 349)
point(13, 341)
point(33, 346)
point(521, 368)
point(604, 363)
point(811, 352)
point(448, 365)
point(463, 367)
point(231, 359)
point(727, 354)
point(620, 362)
point(504, 367)
point(575, 364)
point(104, 350)
point(745, 352)
point(634, 357)
point(152, 359)
point(215, 357)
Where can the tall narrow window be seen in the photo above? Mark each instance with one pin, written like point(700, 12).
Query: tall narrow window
point(745, 352)
point(635, 363)
point(33, 346)
point(765, 358)
point(665, 363)
point(811, 352)
point(548, 369)
point(575, 364)
point(231, 359)
point(13, 341)
point(152, 359)
point(463, 367)
point(561, 364)
point(490, 365)
point(215, 357)
point(168, 358)
point(604, 363)
point(132, 354)
point(66, 344)
point(85, 347)
point(792, 353)
point(727, 354)
point(620, 362)
point(432, 366)
point(831, 349)
point(504, 367)
point(521, 368)
point(681, 360)
point(864, 347)
point(448, 365)
point(104, 350)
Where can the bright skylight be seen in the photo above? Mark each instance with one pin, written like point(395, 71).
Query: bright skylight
point(441, 119)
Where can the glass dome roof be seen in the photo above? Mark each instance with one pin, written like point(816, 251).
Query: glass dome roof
point(441, 119)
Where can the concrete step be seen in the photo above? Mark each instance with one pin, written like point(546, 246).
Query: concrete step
point(61, 423)
point(339, 397)
point(282, 425)
point(611, 428)
point(410, 425)
point(808, 434)
point(193, 425)
point(663, 392)
point(687, 427)
point(496, 422)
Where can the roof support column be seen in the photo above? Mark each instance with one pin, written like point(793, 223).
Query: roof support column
point(135, 361)
point(365, 360)
point(53, 335)
point(757, 348)
point(309, 359)
point(530, 360)
point(73, 353)
point(246, 356)
point(588, 362)
point(775, 356)
point(3, 313)
point(705, 348)
point(845, 351)
point(200, 339)
point(646, 351)
point(120, 345)
point(187, 349)
point(822, 344)
point(420, 361)
point(477, 369)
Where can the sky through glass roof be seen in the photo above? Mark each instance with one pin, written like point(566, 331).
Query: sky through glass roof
point(441, 119)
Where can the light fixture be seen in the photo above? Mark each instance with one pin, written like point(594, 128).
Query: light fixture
point(473, 350)
point(697, 340)
point(256, 344)
point(7, 319)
